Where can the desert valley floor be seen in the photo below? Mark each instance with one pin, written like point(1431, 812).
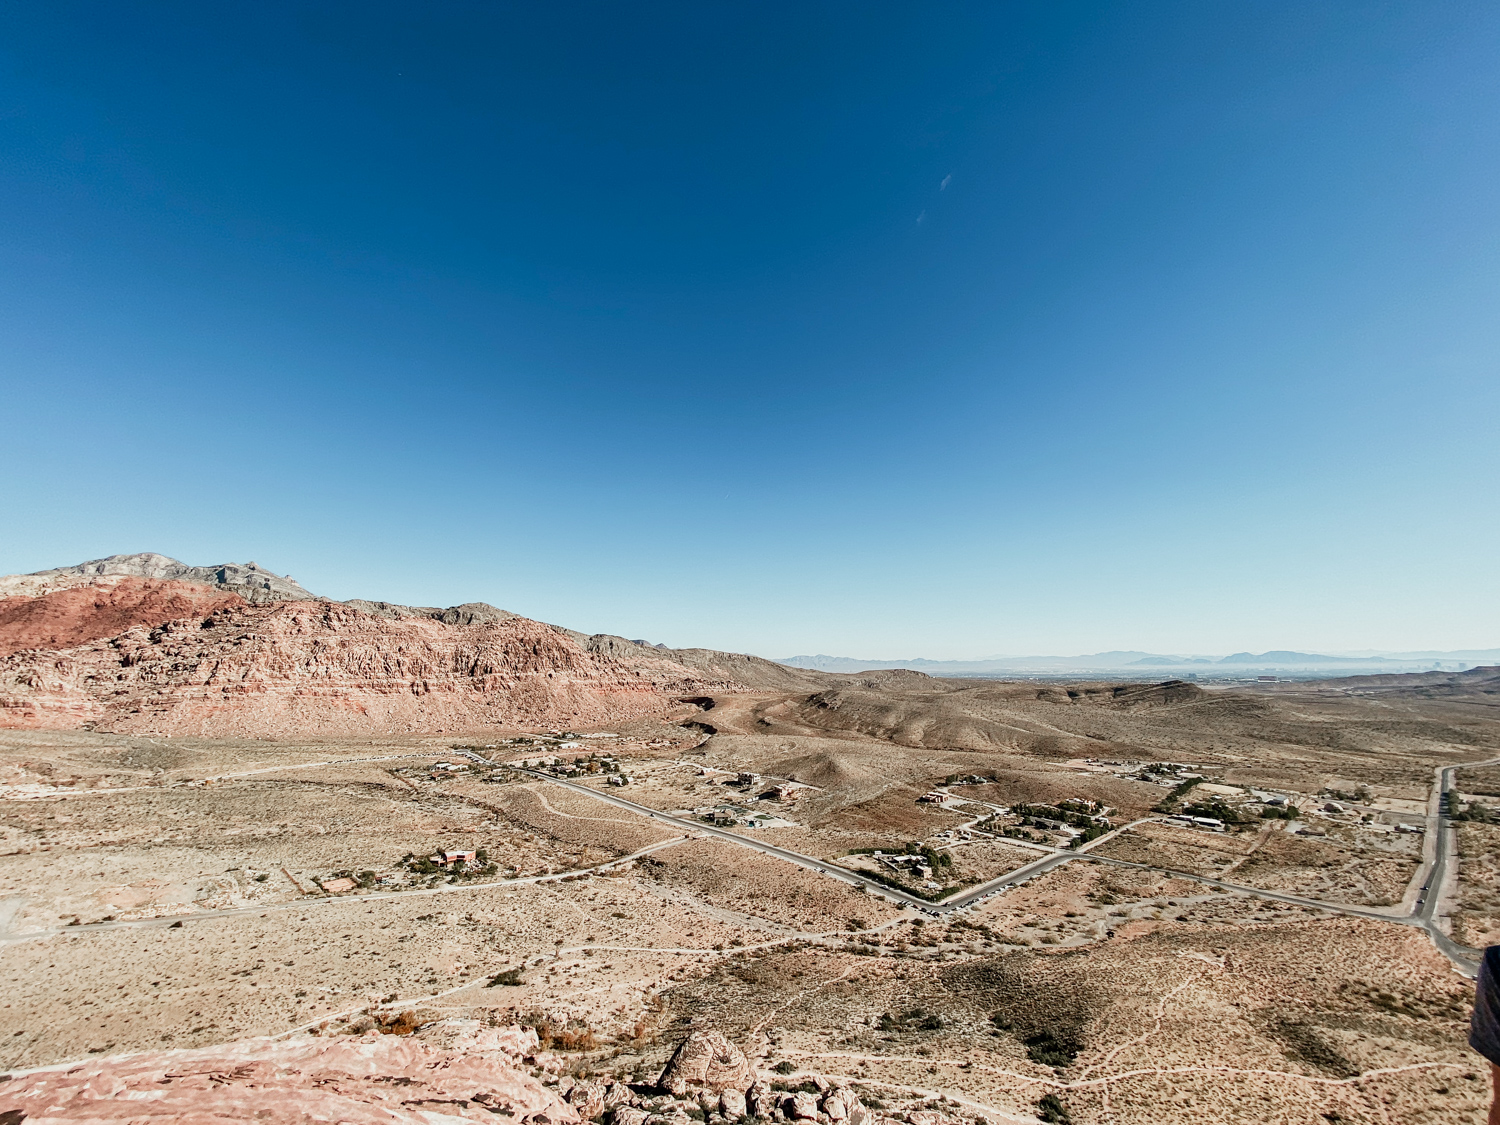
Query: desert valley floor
point(920, 901)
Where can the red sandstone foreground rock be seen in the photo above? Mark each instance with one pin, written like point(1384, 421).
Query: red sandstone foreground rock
point(310, 667)
point(373, 1079)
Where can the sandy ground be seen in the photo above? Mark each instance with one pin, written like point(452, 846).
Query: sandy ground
point(164, 893)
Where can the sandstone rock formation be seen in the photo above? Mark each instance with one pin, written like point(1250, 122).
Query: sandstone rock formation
point(106, 607)
point(371, 1080)
point(302, 668)
point(706, 1060)
point(843, 1105)
point(732, 1104)
point(470, 613)
point(800, 1107)
point(753, 671)
point(760, 1100)
point(146, 644)
point(587, 1099)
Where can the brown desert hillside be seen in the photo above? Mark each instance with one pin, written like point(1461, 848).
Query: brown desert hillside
point(752, 671)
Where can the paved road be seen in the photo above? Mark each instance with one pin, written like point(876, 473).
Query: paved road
point(1462, 956)
point(1442, 833)
point(843, 874)
point(1424, 914)
point(956, 902)
point(698, 828)
point(1438, 829)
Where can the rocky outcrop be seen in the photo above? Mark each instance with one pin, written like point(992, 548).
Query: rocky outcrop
point(706, 1060)
point(800, 1107)
point(732, 1104)
point(685, 1101)
point(105, 607)
point(470, 613)
point(588, 1099)
point(370, 1080)
point(760, 1100)
point(252, 582)
point(1129, 697)
point(842, 1105)
point(311, 668)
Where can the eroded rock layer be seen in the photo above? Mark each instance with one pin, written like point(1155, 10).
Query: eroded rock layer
point(310, 668)
point(102, 607)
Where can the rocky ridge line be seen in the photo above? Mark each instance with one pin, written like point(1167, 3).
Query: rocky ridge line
point(249, 580)
point(319, 668)
point(147, 644)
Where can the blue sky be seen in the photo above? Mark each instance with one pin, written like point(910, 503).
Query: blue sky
point(883, 330)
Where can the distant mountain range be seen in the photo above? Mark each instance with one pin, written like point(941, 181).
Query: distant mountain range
point(143, 643)
point(1235, 664)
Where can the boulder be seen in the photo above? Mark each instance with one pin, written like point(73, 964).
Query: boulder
point(588, 1099)
point(759, 1100)
point(800, 1107)
point(732, 1104)
point(617, 1094)
point(706, 1060)
point(628, 1115)
point(837, 1104)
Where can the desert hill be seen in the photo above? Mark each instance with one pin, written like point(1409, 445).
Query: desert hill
point(1476, 684)
point(752, 671)
point(147, 644)
point(249, 580)
point(322, 668)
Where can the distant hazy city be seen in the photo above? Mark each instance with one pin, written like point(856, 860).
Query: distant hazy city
point(1236, 666)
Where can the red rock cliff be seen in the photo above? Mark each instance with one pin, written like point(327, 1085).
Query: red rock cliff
point(107, 607)
point(312, 668)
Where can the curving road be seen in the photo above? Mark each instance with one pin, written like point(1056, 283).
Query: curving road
point(1432, 874)
point(697, 828)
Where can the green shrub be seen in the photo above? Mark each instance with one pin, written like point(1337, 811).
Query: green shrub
point(1051, 1110)
point(1049, 1050)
